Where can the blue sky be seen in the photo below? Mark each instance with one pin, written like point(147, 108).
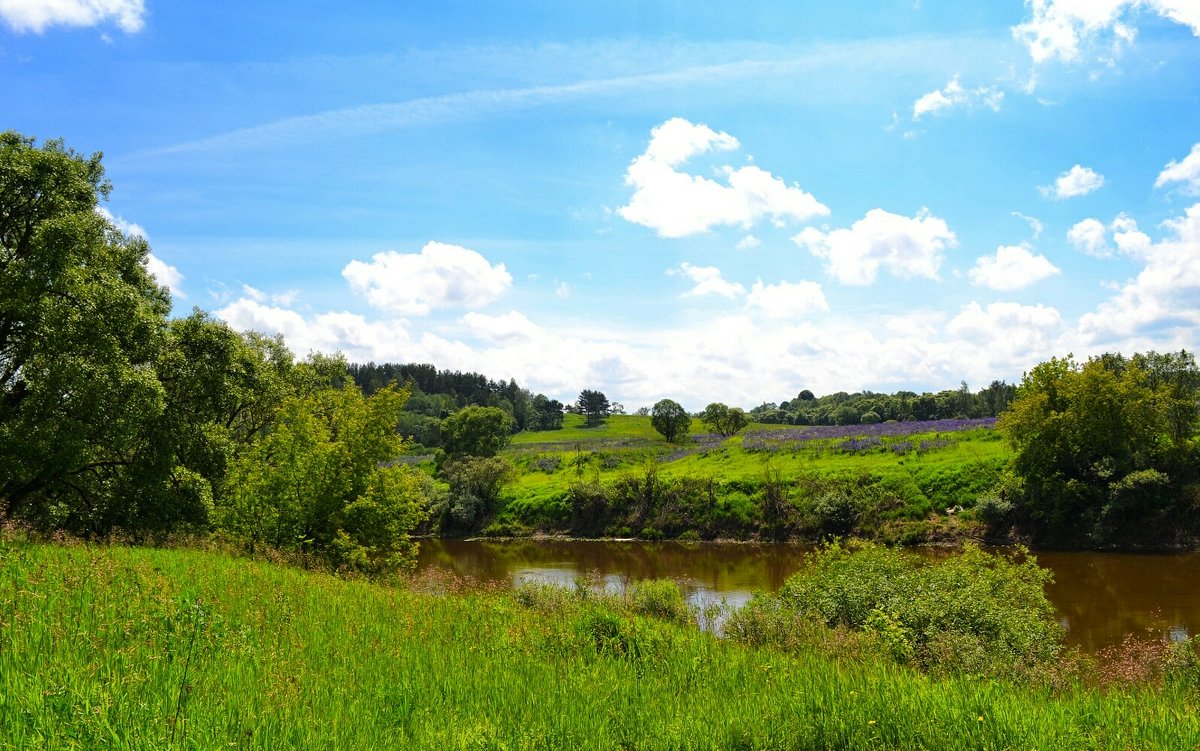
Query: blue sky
point(650, 198)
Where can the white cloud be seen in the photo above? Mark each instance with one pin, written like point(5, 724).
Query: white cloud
point(126, 227)
point(677, 204)
point(1035, 224)
point(708, 281)
point(510, 326)
point(953, 95)
point(1089, 237)
point(1186, 171)
point(1019, 332)
point(1160, 307)
point(38, 15)
point(905, 246)
point(787, 299)
point(563, 290)
point(284, 299)
point(166, 274)
point(1013, 267)
point(440, 276)
point(748, 242)
point(739, 359)
point(1077, 181)
point(1064, 29)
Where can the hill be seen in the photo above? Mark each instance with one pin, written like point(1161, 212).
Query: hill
point(897, 481)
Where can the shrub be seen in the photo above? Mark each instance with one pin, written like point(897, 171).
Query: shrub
point(970, 613)
point(835, 513)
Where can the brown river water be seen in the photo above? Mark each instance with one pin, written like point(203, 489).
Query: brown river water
point(1100, 597)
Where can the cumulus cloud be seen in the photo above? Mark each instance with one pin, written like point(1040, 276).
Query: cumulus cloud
point(708, 281)
point(1066, 29)
point(1186, 171)
point(440, 276)
point(905, 246)
point(1090, 237)
point(738, 358)
point(953, 95)
point(1160, 307)
point(676, 204)
point(748, 242)
point(1013, 267)
point(787, 299)
point(38, 15)
point(166, 274)
point(125, 227)
point(1077, 181)
point(1024, 332)
point(510, 326)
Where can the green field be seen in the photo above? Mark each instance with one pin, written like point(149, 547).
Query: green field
point(117, 648)
point(897, 493)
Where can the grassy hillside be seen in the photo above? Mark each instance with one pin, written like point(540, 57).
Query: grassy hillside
point(152, 649)
point(899, 479)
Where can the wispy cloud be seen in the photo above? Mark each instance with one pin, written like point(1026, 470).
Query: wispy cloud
point(884, 59)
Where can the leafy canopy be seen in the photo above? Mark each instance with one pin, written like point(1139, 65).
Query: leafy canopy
point(670, 419)
point(1104, 447)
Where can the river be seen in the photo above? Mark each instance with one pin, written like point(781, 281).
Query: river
point(1100, 597)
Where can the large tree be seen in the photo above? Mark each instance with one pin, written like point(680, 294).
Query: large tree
point(670, 419)
point(81, 324)
point(1103, 449)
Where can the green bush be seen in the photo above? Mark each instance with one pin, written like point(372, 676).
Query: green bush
point(971, 613)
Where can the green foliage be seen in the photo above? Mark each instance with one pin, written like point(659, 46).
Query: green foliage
point(476, 431)
point(971, 613)
point(670, 419)
point(475, 485)
point(835, 512)
point(81, 323)
point(321, 480)
point(1102, 449)
point(724, 420)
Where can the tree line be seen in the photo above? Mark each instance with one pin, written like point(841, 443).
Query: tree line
point(865, 407)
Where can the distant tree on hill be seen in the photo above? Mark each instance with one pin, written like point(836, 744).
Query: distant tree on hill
point(670, 419)
point(723, 419)
point(594, 404)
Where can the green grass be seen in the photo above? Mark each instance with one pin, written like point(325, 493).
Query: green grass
point(154, 649)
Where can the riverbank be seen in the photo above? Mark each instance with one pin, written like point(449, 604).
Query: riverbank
point(137, 648)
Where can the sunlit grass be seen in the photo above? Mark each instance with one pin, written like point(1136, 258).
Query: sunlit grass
point(94, 643)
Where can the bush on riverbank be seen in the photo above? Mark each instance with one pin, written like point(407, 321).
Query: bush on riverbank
point(973, 613)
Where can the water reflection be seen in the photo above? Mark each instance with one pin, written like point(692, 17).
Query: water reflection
point(1100, 597)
